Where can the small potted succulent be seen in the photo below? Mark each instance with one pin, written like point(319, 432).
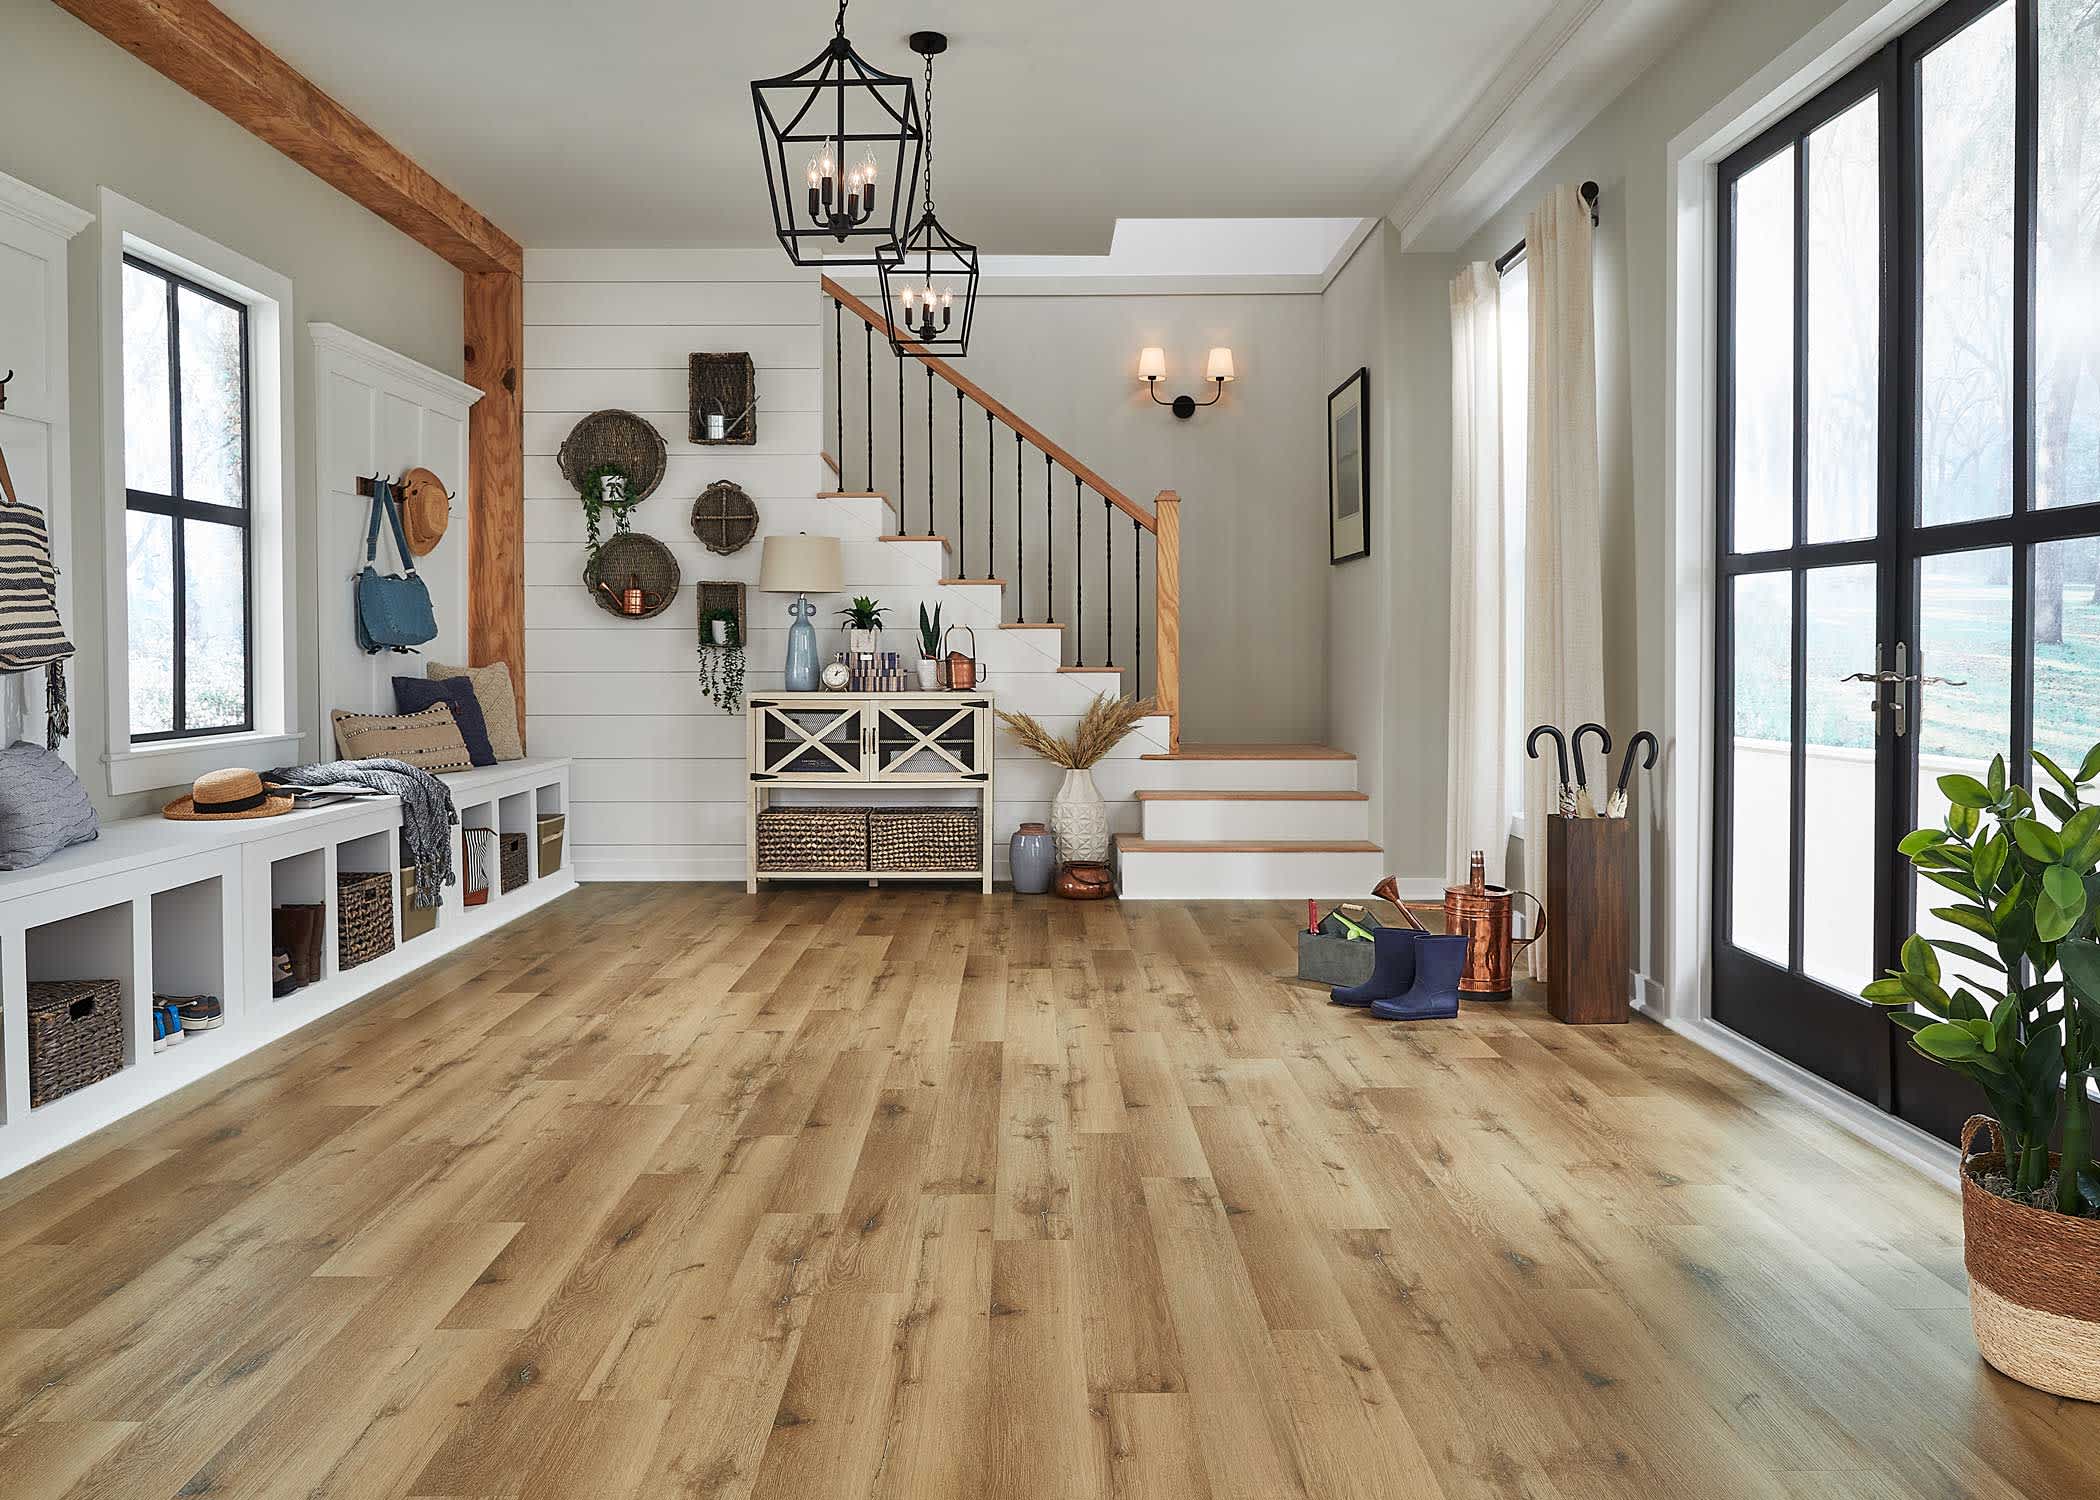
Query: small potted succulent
point(2021, 1021)
point(863, 620)
point(929, 649)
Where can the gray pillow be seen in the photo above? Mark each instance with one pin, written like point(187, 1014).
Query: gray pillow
point(43, 806)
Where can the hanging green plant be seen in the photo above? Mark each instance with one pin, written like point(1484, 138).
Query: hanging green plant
point(607, 487)
point(722, 661)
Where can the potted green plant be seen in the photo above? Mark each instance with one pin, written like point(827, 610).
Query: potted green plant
point(863, 619)
point(722, 659)
point(929, 649)
point(2023, 1023)
point(607, 487)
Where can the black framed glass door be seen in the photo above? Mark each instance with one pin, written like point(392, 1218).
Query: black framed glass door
point(1909, 336)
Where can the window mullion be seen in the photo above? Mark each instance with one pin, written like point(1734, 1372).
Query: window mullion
point(179, 593)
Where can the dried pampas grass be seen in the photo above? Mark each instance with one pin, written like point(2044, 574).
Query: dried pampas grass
point(1101, 728)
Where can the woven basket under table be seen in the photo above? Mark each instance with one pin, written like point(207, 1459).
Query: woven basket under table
point(76, 1035)
point(364, 917)
point(925, 838)
point(813, 838)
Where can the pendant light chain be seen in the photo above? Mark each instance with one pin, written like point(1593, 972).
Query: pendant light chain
point(927, 152)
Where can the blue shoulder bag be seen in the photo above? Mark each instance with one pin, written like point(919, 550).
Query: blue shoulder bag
point(393, 609)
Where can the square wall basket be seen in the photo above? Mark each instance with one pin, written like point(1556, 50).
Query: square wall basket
point(714, 596)
point(725, 385)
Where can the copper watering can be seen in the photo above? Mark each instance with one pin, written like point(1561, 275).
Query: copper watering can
point(634, 599)
point(961, 671)
point(1485, 914)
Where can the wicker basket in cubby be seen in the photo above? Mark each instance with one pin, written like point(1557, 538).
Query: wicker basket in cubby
point(513, 861)
point(813, 838)
point(364, 917)
point(76, 1035)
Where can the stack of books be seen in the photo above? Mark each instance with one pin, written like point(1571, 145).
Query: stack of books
point(878, 672)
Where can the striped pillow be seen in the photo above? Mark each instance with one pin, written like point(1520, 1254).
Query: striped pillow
point(30, 632)
point(430, 740)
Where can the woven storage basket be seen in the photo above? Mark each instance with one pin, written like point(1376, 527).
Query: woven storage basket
point(513, 862)
point(364, 917)
point(813, 838)
point(724, 518)
point(620, 438)
point(415, 920)
point(725, 383)
point(925, 838)
point(76, 1035)
point(2034, 1281)
point(551, 826)
point(629, 558)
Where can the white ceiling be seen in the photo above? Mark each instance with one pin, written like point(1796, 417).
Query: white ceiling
point(628, 122)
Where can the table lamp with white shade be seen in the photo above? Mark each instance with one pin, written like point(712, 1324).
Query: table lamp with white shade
point(800, 565)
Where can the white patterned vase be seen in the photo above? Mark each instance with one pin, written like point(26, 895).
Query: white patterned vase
point(1079, 820)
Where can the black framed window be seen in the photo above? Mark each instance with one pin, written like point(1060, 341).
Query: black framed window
point(187, 491)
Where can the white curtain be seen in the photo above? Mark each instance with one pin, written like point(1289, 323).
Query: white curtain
point(1476, 801)
point(1564, 551)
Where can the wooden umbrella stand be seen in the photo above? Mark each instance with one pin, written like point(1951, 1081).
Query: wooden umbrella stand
point(1589, 879)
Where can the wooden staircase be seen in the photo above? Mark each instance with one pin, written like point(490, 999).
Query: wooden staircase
point(1213, 821)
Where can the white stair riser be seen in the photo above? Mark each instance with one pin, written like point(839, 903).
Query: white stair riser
point(1253, 775)
point(1248, 875)
point(1235, 820)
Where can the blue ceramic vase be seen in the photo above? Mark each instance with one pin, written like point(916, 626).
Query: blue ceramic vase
point(1033, 855)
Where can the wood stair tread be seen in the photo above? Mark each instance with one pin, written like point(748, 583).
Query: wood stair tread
point(1133, 844)
point(851, 495)
point(952, 582)
point(1117, 670)
point(1025, 625)
point(1253, 752)
point(1181, 794)
point(946, 545)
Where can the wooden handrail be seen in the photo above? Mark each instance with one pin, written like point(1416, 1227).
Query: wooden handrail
point(1166, 614)
point(997, 408)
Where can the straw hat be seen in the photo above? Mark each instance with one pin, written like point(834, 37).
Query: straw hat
point(425, 508)
point(236, 793)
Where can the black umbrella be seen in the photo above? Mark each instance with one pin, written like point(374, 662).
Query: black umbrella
point(1584, 806)
point(1563, 792)
point(1616, 808)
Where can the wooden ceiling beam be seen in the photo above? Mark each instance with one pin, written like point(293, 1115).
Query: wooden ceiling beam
point(200, 47)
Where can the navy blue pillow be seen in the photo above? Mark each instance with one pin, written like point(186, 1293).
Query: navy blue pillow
point(414, 694)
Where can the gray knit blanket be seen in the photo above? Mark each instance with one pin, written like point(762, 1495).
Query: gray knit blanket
point(427, 814)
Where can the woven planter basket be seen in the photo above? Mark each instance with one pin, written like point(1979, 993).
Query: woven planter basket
point(924, 838)
point(513, 866)
point(724, 518)
point(364, 917)
point(620, 438)
point(76, 1035)
point(2034, 1281)
point(631, 557)
point(813, 838)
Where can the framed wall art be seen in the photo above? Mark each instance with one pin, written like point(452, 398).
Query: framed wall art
point(1349, 469)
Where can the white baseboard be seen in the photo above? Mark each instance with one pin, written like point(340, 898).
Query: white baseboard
point(1898, 1138)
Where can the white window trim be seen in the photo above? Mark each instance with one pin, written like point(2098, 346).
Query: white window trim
point(273, 502)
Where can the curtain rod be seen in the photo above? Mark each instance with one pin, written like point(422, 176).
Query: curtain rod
point(1509, 256)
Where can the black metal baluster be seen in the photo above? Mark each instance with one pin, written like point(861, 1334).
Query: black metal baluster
point(929, 450)
point(962, 497)
point(1108, 571)
point(991, 499)
point(1049, 549)
point(838, 384)
point(1020, 543)
point(1078, 572)
point(868, 349)
point(1137, 606)
point(897, 500)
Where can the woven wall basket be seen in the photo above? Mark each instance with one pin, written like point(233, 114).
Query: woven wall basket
point(629, 557)
point(2034, 1281)
point(615, 437)
point(724, 518)
point(725, 384)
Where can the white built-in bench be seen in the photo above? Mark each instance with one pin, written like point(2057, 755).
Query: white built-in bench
point(184, 908)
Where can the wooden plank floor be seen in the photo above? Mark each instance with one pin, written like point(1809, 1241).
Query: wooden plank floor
point(910, 1193)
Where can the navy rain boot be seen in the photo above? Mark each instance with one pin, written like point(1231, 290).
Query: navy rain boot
point(1439, 960)
point(1392, 971)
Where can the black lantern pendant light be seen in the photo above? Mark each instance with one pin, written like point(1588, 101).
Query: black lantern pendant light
point(841, 142)
point(929, 277)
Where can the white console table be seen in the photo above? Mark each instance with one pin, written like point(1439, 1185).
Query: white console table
point(865, 749)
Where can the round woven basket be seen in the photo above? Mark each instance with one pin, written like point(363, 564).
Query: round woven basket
point(620, 438)
point(724, 518)
point(2034, 1281)
point(630, 559)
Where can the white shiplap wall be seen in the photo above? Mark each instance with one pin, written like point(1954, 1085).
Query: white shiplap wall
point(657, 788)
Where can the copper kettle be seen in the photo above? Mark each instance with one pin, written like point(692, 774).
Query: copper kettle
point(1485, 914)
point(634, 600)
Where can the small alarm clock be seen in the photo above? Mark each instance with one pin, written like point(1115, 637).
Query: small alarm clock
point(836, 676)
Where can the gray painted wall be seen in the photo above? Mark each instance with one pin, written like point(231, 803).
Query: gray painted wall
point(1250, 471)
point(78, 113)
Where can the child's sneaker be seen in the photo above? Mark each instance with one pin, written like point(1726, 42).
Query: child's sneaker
point(160, 1030)
point(202, 1013)
point(172, 1019)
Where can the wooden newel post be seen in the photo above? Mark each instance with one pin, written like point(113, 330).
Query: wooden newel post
point(1589, 881)
point(495, 351)
point(1166, 596)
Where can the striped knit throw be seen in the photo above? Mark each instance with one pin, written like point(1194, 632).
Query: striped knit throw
point(31, 634)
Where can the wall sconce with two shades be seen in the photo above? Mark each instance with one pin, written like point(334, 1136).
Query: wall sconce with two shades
point(1152, 369)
